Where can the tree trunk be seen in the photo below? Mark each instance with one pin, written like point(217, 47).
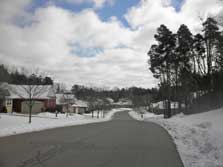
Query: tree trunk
point(209, 64)
point(30, 111)
point(67, 110)
point(168, 93)
point(98, 114)
point(194, 63)
point(176, 85)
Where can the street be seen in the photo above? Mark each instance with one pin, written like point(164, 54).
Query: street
point(122, 142)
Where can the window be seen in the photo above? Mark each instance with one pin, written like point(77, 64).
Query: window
point(9, 102)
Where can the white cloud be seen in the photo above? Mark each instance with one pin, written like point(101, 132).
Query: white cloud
point(47, 44)
point(12, 8)
point(50, 37)
point(149, 15)
point(153, 13)
point(97, 3)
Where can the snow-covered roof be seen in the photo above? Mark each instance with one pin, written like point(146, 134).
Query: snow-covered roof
point(27, 91)
point(110, 100)
point(80, 103)
point(158, 105)
point(62, 98)
point(161, 105)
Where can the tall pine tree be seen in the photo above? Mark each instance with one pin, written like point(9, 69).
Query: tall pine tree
point(161, 58)
point(211, 34)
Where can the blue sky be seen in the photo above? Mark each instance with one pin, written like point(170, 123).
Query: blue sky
point(118, 9)
point(177, 4)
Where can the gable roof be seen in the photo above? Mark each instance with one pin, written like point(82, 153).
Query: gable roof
point(80, 103)
point(27, 91)
point(62, 98)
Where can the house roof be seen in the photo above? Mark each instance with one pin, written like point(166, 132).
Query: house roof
point(158, 105)
point(110, 100)
point(80, 103)
point(27, 91)
point(62, 98)
point(161, 105)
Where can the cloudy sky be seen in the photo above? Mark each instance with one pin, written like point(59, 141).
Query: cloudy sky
point(92, 42)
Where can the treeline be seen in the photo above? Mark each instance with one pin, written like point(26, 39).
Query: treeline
point(20, 78)
point(187, 64)
point(138, 96)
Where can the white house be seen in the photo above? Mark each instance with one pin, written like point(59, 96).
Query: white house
point(80, 106)
point(64, 102)
point(161, 105)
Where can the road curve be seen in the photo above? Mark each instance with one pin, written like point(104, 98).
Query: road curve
point(122, 142)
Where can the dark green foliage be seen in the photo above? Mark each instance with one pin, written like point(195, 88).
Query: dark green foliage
point(183, 47)
point(139, 96)
point(47, 81)
point(22, 79)
point(199, 54)
point(219, 59)
point(162, 59)
point(4, 74)
point(211, 34)
point(155, 61)
point(188, 64)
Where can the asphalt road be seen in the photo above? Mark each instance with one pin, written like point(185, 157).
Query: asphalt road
point(122, 142)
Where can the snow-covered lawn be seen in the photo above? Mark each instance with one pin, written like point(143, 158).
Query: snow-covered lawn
point(11, 124)
point(199, 137)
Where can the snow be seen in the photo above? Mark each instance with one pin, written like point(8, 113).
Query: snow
point(123, 101)
point(198, 137)
point(37, 91)
point(80, 103)
point(161, 105)
point(146, 115)
point(12, 124)
point(62, 98)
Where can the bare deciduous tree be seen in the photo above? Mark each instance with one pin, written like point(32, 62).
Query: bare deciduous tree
point(67, 100)
point(31, 90)
point(29, 93)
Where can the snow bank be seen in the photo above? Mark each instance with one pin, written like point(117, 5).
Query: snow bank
point(11, 124)
point(146, 115)
point(110, 114)
point(199, 137)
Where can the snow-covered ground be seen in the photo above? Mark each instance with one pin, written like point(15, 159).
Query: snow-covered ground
point(11, 124)
point(199, 137)
point(146, 115)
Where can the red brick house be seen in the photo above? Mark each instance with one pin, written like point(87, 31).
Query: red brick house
point(43, 98)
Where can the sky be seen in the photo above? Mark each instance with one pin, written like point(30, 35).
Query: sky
point(101, 43)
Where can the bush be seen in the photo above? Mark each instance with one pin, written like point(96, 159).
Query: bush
point(3, 109)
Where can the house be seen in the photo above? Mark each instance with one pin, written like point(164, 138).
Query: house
point(67, 102)
point(64, 102)
point(19, 98)
point(80, 107)
point(160, 106)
